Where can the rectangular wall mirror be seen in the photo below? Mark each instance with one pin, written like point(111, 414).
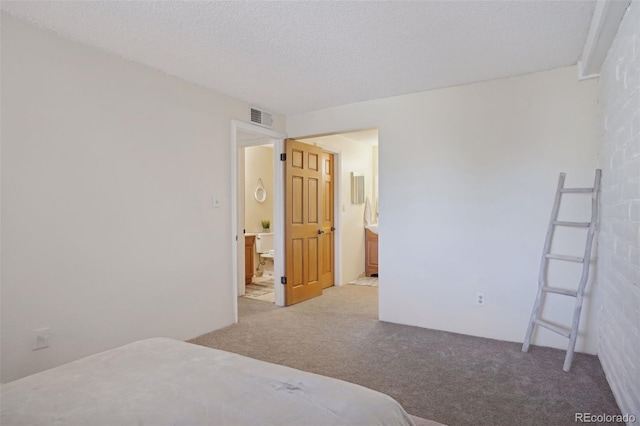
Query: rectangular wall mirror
point(357, 188)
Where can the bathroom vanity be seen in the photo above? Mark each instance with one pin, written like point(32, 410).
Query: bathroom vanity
point(248, 258)
point(371, 250)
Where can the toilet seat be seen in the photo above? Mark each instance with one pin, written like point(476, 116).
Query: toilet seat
point(268, 255)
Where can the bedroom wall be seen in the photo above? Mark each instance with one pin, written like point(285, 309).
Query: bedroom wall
point(376, 175)
point(356, 156)
point(108, 174)
point(467, 180)
point(619, 245)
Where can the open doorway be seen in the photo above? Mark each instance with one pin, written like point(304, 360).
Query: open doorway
point(360, 151)
point(357, 179)
point(258, 218)
point(250, 188)
point(244, 136)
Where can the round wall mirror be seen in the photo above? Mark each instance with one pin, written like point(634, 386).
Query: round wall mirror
point(260, 194)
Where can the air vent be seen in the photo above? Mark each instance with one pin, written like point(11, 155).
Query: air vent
point(258, 116)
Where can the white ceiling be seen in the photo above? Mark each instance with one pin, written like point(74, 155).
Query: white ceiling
point(292, 57)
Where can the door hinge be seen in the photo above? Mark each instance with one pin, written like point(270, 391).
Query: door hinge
point(283, 157)
point(283, 280)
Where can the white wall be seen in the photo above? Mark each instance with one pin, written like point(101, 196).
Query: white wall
point(467, 179)
point(258, 162)
point(619, 245)
point(376, 175)
point(108, 173)
point(355, 157)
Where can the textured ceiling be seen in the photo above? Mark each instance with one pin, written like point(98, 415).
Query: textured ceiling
point(292, 57)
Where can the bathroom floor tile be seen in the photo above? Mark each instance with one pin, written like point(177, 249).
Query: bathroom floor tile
point(261, 289)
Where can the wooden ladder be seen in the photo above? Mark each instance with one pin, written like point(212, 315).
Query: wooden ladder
point(571, 334)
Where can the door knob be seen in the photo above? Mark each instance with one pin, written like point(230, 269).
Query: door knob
point(320, 231)
point(333, 229)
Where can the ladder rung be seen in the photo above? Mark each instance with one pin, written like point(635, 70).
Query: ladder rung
point(563, 257)
point(557, 290)
point(554, 328)
point(576, 190)
point(577, 224)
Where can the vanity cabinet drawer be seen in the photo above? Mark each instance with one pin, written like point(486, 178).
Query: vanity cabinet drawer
point(249, 240)
point(371, 253)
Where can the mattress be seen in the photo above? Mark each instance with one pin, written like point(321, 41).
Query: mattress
point(167, 382)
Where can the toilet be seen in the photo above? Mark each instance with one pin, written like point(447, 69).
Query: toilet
point(264, 248)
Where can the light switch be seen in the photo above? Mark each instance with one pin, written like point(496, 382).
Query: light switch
point(216, 202)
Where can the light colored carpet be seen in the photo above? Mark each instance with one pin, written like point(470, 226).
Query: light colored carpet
point(368, 281)
point(419, 421)
point(446, 377)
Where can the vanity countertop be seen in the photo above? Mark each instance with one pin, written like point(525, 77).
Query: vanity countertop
point(254, 234)
point(373, 228)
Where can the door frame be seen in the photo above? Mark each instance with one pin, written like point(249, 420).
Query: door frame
point(237, 206)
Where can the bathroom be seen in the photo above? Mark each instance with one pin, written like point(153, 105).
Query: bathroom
point(258, 222)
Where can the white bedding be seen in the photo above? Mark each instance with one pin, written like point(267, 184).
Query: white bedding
point(166, 382)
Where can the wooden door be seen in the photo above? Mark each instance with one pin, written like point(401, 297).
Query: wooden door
point(303, 216)
point(328, 229)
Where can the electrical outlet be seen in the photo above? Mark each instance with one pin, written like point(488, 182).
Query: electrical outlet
point(42, 338)
point(480, 299)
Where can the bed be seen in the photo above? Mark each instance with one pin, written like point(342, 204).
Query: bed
point(163, 381)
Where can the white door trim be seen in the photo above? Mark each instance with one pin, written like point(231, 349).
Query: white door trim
point(237, 223)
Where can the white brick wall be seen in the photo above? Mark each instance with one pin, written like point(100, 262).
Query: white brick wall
point(618, 267)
